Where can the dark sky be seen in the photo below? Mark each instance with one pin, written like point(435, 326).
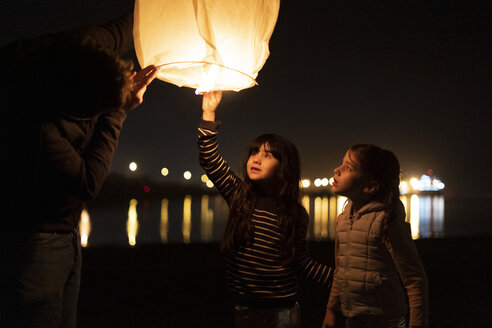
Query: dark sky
point(410, 76)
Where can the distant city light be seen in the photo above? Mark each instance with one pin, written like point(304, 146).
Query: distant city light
point(341, 202)
point(403, 187)
point(305, 183)
point(429, 184)
point(415, 183)
point(438, 184)
point(425, 183)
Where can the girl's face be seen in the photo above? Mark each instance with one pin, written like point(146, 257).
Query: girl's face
point(262, 166)
point(349, 179)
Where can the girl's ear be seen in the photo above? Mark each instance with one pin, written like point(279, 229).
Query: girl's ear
point(371, 187)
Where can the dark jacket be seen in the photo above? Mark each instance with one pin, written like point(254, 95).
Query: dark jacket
point(52, 163)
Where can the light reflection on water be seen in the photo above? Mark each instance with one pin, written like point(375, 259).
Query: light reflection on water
point(163, 227)
point(207, 220)
point(186, 225)
point(132, 223)
point(203, 219)
point(85, 227)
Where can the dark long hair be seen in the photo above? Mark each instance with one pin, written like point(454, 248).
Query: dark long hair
point(239, 229)
point(382, 166)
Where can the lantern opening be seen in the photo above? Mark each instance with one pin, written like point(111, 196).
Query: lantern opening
point(208, 76)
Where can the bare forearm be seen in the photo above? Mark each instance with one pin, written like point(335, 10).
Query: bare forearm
point(208, 116)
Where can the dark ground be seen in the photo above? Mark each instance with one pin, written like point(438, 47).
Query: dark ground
point(183, 285)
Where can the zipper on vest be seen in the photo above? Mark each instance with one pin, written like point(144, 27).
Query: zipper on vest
point(349, 233)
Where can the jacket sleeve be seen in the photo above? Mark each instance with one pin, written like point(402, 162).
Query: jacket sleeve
point(115, 35)
point(334, 299)
point(305, 265)
point(212, 162)
point(412, 274)
point(81, 172)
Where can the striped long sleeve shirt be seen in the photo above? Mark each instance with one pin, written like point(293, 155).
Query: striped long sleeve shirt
point(255, 273)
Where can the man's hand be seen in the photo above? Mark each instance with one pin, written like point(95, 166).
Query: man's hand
point(210, 102)
point(140, 82)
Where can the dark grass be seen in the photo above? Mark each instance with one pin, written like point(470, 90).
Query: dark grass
point(183, 285)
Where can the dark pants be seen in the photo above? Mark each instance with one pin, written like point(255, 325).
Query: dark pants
point(39, 279)
point(247, 317)
point(376, 322)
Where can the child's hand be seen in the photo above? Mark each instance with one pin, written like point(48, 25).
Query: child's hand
point(210, 102)
point(329, 321)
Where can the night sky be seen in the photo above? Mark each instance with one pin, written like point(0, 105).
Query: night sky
point(410, 76)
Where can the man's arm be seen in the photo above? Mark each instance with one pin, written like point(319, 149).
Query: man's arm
point(115, 35)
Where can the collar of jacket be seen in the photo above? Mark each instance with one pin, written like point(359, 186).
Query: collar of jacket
point(371, 207)
point(367, 208)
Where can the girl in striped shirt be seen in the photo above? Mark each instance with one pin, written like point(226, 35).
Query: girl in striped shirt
point(264, 242)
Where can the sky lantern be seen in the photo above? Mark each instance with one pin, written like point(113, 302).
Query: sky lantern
point(206, 45)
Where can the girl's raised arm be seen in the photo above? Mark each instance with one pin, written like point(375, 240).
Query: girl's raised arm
point(210, 102)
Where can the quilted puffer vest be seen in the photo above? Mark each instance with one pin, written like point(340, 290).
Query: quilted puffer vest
point(366, 276)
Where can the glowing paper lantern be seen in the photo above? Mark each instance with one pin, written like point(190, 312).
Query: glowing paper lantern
point(205, 44)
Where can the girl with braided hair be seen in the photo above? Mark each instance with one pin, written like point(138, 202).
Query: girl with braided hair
point(379, 279)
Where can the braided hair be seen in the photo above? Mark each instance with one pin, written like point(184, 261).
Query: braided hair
point(382, 166)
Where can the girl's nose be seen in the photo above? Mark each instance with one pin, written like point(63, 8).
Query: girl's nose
point(336, 171)
point(256, 159)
